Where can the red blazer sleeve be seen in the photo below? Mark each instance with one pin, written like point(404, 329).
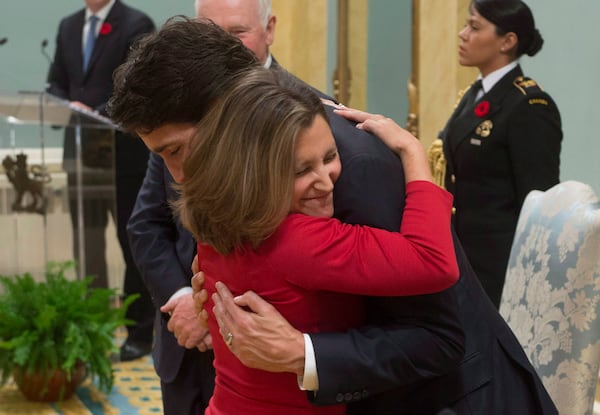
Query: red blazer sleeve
point(325, 254)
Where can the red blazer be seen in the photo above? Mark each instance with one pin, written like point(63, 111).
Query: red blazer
point(304, 268)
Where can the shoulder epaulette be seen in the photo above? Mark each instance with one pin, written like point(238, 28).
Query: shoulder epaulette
point(526, 85)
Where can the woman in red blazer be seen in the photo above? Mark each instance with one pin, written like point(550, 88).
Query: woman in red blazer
point(258, 196)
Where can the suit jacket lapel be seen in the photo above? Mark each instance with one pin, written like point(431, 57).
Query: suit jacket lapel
point(463, 126)
point(275, 64)
point(76, 37)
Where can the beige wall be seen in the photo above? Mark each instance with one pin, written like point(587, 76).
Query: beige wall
point(301, 39)
point(301, 43)
point(301, 47)
point(357, 52)
point(440, 76)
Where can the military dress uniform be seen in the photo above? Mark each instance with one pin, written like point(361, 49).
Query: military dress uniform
point(497, 150)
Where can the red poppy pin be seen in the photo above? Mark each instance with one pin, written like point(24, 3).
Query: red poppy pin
point(482, 109)
point(105, 29)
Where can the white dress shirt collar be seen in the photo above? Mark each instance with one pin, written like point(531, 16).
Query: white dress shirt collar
point(492, 78)
point(268, 62)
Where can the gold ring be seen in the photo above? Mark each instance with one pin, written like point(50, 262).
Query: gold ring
point(229, 339)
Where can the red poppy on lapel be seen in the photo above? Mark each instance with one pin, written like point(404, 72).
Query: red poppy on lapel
point(482, 109)
point(105, 29)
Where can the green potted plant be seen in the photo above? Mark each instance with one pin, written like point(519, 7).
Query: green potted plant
point(55, 333)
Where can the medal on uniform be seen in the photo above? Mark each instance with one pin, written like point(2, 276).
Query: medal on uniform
point(485, 128)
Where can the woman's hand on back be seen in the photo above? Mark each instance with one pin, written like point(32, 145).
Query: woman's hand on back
point(399, 140)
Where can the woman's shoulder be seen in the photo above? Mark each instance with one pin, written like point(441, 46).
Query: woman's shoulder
point(528, 93)
point(526, 86)
point(530, 90)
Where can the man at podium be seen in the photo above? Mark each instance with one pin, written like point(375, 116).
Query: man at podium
point(90, 44)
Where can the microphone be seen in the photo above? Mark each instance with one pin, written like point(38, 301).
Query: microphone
point(3, 41)
point(44, 45)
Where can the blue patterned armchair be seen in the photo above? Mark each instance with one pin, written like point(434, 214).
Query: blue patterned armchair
point(551, 297)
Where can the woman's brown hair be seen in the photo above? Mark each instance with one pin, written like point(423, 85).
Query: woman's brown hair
point(239, 174)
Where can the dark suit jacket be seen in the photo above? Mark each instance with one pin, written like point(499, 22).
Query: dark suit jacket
point(164, 251)
point(371, 191)
point(490, 171)
point(494, 377)
point(67, 80)
point(94, 87)
point(427, 339)
point(100, 148)
point(410, 360)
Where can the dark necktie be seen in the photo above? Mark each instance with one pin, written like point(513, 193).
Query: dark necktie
point(471, 96)
point(474, 90)
point(89, 42)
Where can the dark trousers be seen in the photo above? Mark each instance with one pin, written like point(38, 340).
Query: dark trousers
point(97, 203)
point(191, 390)
point(113, 168)
point(488, 254)
point(95, 194)
point(131, 159)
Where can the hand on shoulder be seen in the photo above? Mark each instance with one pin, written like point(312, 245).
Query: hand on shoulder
point(399, 140)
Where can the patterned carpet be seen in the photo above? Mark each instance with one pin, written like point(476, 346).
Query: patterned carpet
point(136, 392)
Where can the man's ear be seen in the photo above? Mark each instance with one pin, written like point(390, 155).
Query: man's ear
point(270, 29)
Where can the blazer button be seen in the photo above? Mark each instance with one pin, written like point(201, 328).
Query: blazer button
point(339, 398)
point(357, 396)
point(453, 210)
point(453, 178)
point(348, 397)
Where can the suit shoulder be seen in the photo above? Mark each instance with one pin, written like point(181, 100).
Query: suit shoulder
point(136, 21)
point(73, 19)
point(131, 12)
point(138, 14)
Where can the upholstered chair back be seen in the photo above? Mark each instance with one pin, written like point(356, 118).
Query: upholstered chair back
point(551, 297)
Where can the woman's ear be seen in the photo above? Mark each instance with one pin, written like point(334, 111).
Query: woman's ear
point(509, 43)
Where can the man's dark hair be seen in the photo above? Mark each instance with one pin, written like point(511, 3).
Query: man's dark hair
point(174, 74)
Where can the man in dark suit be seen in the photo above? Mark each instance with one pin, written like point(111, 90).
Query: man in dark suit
point(422, 349)
point(90, 44)
point(162, 248)
point(394, 366)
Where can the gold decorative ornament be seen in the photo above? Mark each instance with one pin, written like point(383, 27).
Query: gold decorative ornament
point(541, 101)
point(412, 121)
point(437, 162)
point(523, 84)
point(485, 128)
point(342, 76)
